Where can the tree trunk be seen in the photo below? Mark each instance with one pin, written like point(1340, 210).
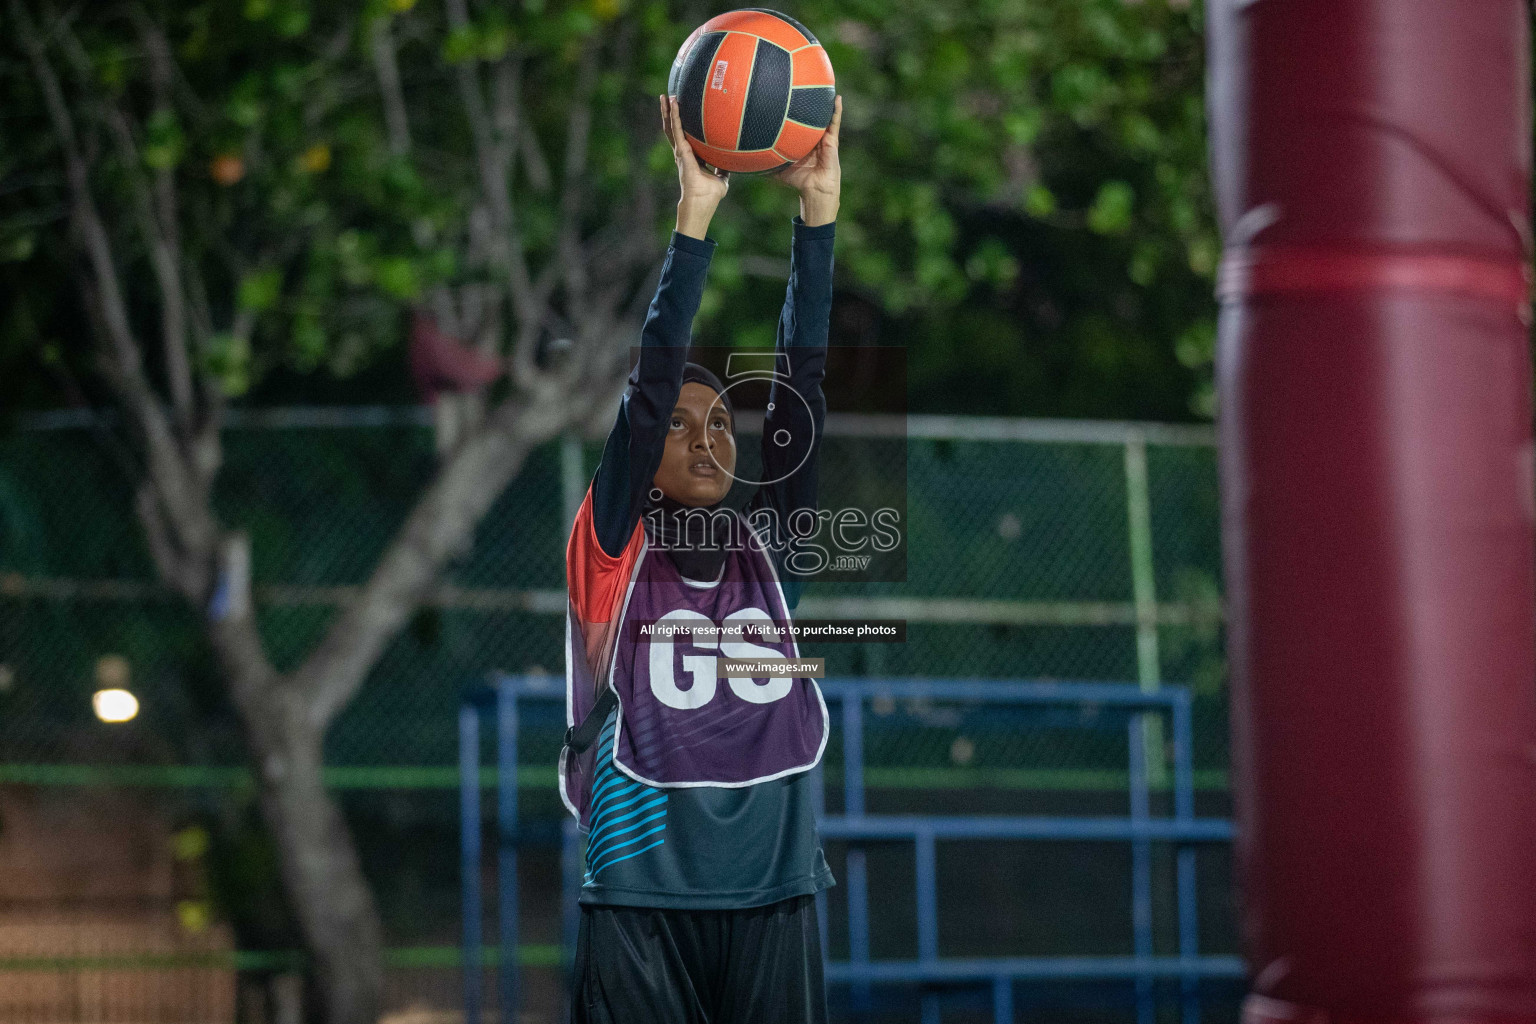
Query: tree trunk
point(322, 877)
point(269, 998)
point(324, 881)
point(285, 717)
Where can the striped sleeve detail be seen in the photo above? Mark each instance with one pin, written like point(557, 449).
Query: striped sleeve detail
point(627, 818)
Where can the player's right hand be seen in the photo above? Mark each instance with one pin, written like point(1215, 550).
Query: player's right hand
point(702, 186)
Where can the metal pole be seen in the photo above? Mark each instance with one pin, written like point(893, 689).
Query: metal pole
point(925, 875)
point(1138, 503)
point(1184, 812)
point(1141, 869)
point(1002, 1000)
point(469, 855)
point(858, 878)
point(506, 848)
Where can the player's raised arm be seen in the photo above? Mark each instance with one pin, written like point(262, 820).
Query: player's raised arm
point(792, 427)
point(635, 443)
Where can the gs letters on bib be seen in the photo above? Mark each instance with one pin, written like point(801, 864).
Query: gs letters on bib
point(677, 724)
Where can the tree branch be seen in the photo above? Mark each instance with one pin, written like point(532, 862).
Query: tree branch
point(168, 259)
point(387, 70)
point(628, 244)
point(123, 367)
point(206, 445)
point(535, 163)
point(170, 561)
point(440, 528)
point(494, 136)
point(523, 366)
point(444, 310)
point(164, 257)
point(578, 136)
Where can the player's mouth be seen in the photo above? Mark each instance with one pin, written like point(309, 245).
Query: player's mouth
point(704, 467)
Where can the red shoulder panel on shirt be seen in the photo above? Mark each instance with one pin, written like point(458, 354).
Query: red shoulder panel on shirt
point(596, 579)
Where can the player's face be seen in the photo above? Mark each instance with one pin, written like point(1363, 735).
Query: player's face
point(700, 456)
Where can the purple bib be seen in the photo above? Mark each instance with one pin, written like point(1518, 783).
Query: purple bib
point(678, 725)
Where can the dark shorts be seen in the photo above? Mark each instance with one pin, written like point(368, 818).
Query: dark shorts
point(761, 965)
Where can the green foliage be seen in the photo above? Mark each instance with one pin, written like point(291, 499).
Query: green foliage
point(1074, 139)
point(1112, 209)
point(975, 133)
point(227, 359)
point(260, 291)
point(164, 143)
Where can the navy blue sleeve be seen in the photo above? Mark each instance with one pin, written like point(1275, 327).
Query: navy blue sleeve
point(634, 447)
point(802, 343)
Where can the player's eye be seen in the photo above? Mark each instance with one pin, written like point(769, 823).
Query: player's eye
point(719, 424)
point(677, 423)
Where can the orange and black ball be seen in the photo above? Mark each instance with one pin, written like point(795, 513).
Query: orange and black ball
point(755, 90)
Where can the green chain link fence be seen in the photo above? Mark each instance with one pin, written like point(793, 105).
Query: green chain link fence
point(1035, 549)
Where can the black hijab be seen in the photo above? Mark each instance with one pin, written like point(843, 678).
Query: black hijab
point(695, 537)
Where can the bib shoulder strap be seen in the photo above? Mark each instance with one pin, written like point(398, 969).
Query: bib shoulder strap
point(580, 737)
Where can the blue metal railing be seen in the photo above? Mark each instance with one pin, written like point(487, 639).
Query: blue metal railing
point(502, 697)
point(1141, 829)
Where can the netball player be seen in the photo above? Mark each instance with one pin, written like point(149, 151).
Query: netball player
point(695, 791)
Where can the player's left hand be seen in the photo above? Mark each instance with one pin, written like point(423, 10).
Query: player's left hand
point(818, 176)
